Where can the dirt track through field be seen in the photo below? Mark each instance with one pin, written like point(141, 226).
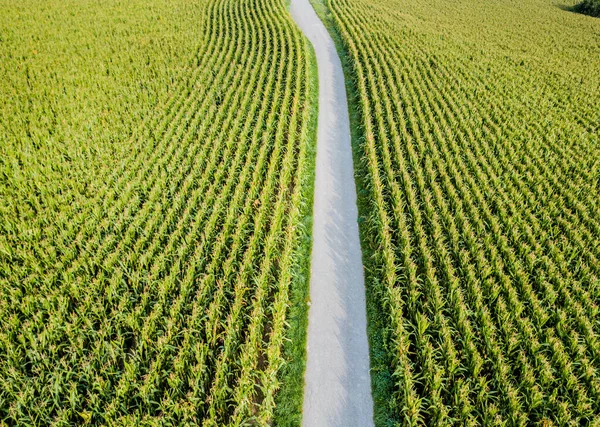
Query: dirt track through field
point(338, 386)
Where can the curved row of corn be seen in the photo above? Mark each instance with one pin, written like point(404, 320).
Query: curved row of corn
point(481, 165)
point(158, 292)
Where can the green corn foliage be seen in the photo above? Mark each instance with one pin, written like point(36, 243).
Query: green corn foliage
point(154, 163)
point(480, 166)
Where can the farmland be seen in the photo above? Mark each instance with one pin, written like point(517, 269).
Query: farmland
point(156, 187)
point(154, 211)
point(478, 154)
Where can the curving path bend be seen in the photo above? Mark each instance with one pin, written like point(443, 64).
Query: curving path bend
point(338, 383)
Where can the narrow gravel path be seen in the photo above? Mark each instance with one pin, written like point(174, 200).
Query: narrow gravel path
point(338, 384)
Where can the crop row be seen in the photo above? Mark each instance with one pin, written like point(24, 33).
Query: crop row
point(482, 218)
point(162, 296)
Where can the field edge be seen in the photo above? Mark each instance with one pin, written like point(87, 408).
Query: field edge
point(381, 375)
point(289, 399)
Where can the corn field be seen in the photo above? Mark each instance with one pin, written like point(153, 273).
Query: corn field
point(152, 209)
point(156, 170)
point(479, 155)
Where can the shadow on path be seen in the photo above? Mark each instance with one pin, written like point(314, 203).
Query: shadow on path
point(338, 384)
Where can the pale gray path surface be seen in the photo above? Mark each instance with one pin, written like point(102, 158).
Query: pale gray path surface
point(338, 383)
